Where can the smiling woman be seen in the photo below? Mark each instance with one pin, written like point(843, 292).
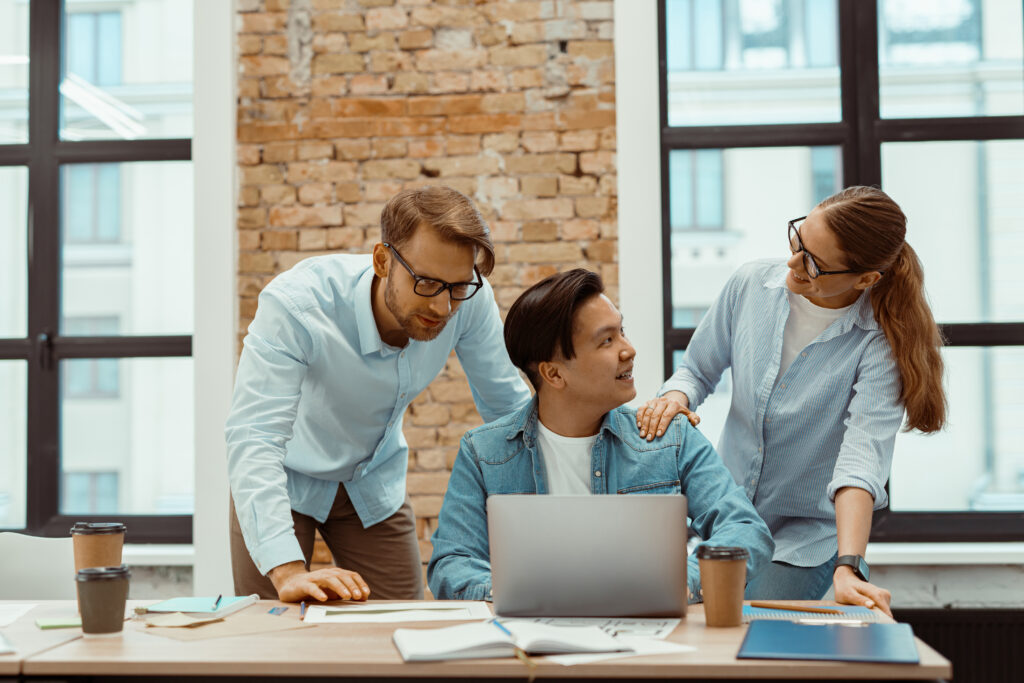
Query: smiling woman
point(814, 456)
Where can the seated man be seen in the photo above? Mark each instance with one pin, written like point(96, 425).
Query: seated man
point(577, 437)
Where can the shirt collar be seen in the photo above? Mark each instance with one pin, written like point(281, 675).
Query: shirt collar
point(527, 420)
point(369, 335)
point(861, 314)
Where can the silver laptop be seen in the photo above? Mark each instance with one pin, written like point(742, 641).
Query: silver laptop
point(588, 556)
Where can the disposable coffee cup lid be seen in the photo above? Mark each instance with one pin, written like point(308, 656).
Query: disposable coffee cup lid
point(721, 552)
point(98, 528)
point(102, 573)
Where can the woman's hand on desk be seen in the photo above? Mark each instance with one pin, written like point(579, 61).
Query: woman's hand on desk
point(653, 417)
point(294, 583)
point(850, 590)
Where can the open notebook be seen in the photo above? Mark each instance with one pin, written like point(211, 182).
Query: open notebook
point(501, 639)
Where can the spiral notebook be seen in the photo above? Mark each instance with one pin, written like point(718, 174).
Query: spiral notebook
point(851, 613)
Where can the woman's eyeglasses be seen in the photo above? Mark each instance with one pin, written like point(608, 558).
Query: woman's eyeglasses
point(810, 265)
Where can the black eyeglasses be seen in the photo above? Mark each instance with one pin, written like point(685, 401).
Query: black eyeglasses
point(810, 265)
point(425, 286)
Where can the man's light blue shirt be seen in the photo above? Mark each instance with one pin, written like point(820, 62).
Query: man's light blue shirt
point(830, 421)
point(319, 399)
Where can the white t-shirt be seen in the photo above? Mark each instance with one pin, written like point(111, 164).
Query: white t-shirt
point(567, 461)
point(806, 321)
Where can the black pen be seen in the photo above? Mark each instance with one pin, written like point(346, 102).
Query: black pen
point(216, 603)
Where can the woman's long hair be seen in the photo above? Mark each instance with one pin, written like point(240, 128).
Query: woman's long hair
point(871, 230)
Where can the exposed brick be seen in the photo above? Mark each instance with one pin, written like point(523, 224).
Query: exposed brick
point(255, 262)
point(450, 391)
point(248, 155)
point(597, 162)
point(305, 171)
point(500, 187)
point(264, 22)
point(591, 49)
point(602, 250)
point(524, 55)
point(545, 252)
point(362, 42)
point(580, 229)
point(397, 168)
point(313, 193)
point(427, 482)
point(526, 209)
point(501, 142)
point(426, 506)
point(415, 39)
point(312, 239)
point(432, 458)
point(344, 238)
point(426, 147)
point(485, 123)
point(488, 80)
point(368, 84)
point(539, 186)
point(249, 44)
point(338, 63)
point(447, 60)
point(326, 23)
point(410, 82)
point(491, 34)
point(436, 15)
point(462, 166)
point(259, 65)
point(504, 102)
point(264, 174)
point(517, 11)
point(535, 273)
point(430, 414)
point(250, 218)
point(451, 104)
point(463, 144)
point(249, 196)
point(295, 216)
point(573, 185)
point(348, 192)
point(381, 190)
point(578, 141)
point(450, 82)
point(592, 207)
point(352, 150)
point(279, 151)
point(390, 61)
point(540, 231)
point(526, 78)
point(384, 148)
point(587, 119)
point(541, 163)
point(539, 141)
point(278, 240)
point(315, 150)
point(386, 18)
point(363, 215)
point(276, 44)
point(278, 195)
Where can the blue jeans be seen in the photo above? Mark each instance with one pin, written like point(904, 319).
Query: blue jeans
point(781, 581)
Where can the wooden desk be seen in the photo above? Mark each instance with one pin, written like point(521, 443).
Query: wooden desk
point(365, 651)
point(29, 640)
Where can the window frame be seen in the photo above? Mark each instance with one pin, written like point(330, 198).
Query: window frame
point(44, 347)
point(860, 134)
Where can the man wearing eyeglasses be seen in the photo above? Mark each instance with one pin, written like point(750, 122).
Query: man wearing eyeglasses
point(338, 349)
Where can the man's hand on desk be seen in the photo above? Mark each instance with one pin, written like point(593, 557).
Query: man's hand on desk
point(850, 590)
point(294, 583)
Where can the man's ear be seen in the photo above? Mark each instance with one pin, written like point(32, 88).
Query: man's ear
point(551, 374)
point(381, 260)
point(868, 279)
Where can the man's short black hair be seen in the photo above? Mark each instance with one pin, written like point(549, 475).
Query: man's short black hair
point(540, 322)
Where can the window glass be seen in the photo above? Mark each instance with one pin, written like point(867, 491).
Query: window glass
point(13, 423)
point(127, 252)
point(92, 378)
point(13, 72)
point(752, 61)
point(968, 230)
point(977, 462)
point(138, 439)
point(737, 211)
point(950, 58)
point(127, 71)
point(13, 251)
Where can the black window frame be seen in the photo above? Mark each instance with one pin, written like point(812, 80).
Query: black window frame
point(859, 134)
point(44, 347)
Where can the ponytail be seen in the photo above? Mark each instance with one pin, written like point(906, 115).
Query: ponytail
point(906, 319)
point(871, 229)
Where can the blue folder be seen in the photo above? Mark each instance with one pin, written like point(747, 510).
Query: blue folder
point(892, 643)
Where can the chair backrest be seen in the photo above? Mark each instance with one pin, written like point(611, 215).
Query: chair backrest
point(36, 568)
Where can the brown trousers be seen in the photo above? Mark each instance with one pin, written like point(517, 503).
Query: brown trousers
point(386, 554)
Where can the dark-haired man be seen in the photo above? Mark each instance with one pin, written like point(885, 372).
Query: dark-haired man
point(339, 347)
point(577, 437)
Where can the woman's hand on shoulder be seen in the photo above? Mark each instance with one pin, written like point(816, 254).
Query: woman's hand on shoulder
point(850, 590)
point(653, 417)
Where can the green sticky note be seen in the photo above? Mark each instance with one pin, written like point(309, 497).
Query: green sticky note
point(59, 622)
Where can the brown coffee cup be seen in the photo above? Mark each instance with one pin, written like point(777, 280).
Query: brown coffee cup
point(102, 595)
point(97, 544)
point(723, 577)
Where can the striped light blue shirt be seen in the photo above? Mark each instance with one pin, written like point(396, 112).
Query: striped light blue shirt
point(829, 422)
point(319, 399)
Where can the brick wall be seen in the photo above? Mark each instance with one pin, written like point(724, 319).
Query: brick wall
point(342, 103)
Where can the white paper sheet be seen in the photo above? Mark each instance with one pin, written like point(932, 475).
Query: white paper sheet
point(613, 626)
point(451, 610)
point(11, 612)
point(641, 646)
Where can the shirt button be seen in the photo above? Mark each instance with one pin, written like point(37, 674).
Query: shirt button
point(803, 354)
point(402, 396)
point(597, 473)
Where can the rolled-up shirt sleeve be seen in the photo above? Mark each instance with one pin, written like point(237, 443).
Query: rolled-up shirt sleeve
point(874, 417)
point(709, 352)
point(497, 386)
point(271, 369)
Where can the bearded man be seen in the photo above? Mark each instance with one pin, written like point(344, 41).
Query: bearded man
point(339, 347)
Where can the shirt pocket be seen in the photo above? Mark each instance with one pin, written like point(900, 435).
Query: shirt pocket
point(665, 487)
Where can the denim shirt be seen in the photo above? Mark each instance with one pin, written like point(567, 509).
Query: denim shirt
point(503, 457)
